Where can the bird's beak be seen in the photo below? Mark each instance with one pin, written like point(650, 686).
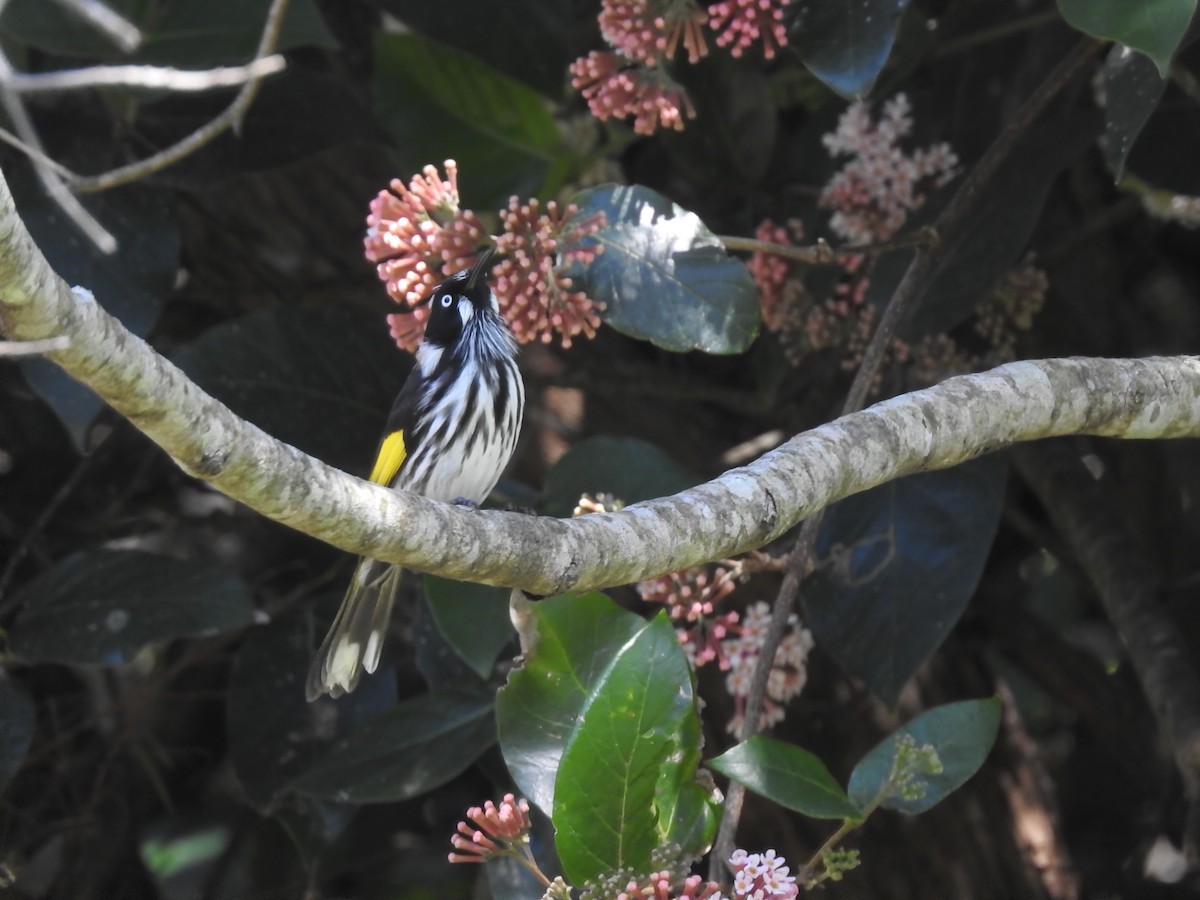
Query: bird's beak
point(480, 267)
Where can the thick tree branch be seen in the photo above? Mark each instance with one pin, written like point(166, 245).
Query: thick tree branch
point(742, 509)
point(1082, 510)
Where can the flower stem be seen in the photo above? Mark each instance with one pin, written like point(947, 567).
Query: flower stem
point(821, 254)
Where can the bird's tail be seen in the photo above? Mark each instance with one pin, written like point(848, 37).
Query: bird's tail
point(356, 637)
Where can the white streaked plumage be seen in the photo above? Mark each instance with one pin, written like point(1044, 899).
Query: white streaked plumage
point(460, 416)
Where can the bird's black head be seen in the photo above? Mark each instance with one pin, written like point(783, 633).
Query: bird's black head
point(457, 301)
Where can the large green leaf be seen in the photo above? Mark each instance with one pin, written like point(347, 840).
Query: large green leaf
point(412, 748)
point(989, 242)
point(630, 469)
point(320, 379)
point(900, 563)
point(535, 46)
point(577, 636)
point(16, 714)
point(439, 103)
point(787, 774)
point(103, 606)
point(274, 733)
point(961, 734)
point(1155, 27)
point(626, 781)
point(845, 44)
point(663, 276)
point(473, 618)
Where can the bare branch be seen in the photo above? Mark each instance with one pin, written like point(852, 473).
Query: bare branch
point(230, 118)
point(149, 77)
point(741, 510)
point(50, 178)
point(105, 20)
point(822, 254)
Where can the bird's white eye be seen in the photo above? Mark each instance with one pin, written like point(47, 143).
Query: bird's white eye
point(446, 300)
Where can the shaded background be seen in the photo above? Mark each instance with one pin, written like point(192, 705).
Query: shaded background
point(152, 727)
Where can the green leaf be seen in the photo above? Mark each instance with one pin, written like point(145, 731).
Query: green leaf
point(1155, 27)
point(412, 748)
point(846, 45)
point(962, 735)
point(322, 379)
point(16, 712)
point(473, 618)
point(130, 284)
point(439, 103)
point(530, 40)
point(630, 469)
point(901, 563)
point(790, 776)
point(274, 733)
point(1132, 89)
point(991, 240)
point(626, 782)
point(663, 276)
point(103, 606)
point(577, 636)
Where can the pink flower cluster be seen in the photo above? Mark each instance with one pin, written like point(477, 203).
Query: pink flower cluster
point(873, 194)
point(645, 30)
point(734, 643)
point(739, 23)
point(788, 674)
point(691, 597)
point(536, 300)
point(659, 886)
point(417, 235)
point(616, 88)
point(759, 876)
point(507, 824)
point(628, 80)
point(770, 271)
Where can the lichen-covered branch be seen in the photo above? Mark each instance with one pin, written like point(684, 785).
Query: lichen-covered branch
point(742, 509)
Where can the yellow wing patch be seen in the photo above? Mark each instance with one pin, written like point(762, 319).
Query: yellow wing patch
point(391, 456)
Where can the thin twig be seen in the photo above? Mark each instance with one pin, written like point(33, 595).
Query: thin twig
point(149, 77)
point(119, 30)
point(822, 254)
point(49, 177)
point(35, 154)
point(230, 118)
point(17, 349)
point(909, 288)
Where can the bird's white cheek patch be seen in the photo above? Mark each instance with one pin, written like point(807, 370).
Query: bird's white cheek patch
point(465, 310)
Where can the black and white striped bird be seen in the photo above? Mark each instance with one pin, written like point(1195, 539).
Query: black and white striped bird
point(450, 434)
